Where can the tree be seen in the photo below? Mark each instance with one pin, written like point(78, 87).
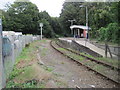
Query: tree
point(110, 33)
point(53, 24)
point(47, 29)
point(22, 17)
point(1, 11)
point(100, 15)
point(70, 11)
point(56, 26)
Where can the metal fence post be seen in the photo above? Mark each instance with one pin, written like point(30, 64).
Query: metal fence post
point(0, 56)
point(2, 78)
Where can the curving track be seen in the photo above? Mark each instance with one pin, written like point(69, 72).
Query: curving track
point(93, 62)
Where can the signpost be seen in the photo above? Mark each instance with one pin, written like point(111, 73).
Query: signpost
point(41, 25)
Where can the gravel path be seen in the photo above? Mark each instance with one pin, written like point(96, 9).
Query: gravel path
point(70, 73)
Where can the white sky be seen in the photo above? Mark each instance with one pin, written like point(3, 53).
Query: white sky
point(53, 7)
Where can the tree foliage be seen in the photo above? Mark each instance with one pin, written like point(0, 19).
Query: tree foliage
point(102, 18)
point(51, 25)
point(70, 11)
point(22, 17)
point(110, 33)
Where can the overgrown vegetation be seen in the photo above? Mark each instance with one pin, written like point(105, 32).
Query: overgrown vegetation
point(28, 73)
point(106, 60)
point(22, 75)
point(93, 65)
point(103, 59)
point(110, 33)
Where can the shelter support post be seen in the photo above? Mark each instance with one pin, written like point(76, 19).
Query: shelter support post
point(78, 32)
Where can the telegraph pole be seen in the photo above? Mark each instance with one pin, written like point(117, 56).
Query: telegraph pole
point(86, 19)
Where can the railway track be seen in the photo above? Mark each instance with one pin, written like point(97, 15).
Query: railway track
point(89, 63)
point(92, 59)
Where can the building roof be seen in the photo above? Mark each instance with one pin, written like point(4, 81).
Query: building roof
point(80, 27)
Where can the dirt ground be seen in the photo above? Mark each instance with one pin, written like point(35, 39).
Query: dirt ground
point(64, 73)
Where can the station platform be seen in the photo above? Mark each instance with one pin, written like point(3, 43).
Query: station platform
point(84, 42)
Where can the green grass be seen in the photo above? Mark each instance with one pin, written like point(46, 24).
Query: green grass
point(103, 42)
point(76, 57)
point(15, 73)
point(43, 41)
point(57, 74)
point(49, 69)
point(87, 55)
point(44, 51)
point(31, 84)
point(8, 64)
point(42, 85)
point(26, 53)
point(25, 72)
point(107, 60)
point(98, 67)
point(60, 83)
point(61, 49)
point(23, 56)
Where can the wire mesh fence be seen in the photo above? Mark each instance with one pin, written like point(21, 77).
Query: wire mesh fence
point(11, 47)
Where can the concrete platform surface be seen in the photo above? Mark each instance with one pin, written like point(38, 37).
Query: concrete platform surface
point(84, 42)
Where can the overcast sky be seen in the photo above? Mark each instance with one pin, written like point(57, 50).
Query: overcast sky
point(53, 7)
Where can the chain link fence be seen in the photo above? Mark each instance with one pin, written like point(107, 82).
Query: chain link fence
point(11, 45)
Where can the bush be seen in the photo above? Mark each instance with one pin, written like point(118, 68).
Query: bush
point(110, 33)
point(102, 33)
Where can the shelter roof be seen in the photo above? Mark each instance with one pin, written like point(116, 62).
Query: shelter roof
point(80, 27)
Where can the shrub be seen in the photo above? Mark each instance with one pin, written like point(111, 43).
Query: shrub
point(110, 33)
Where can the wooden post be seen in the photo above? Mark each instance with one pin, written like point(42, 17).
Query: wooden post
point(109, 51)
point(105, 49)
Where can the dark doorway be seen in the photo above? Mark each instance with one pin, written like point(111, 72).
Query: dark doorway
point(81, 33)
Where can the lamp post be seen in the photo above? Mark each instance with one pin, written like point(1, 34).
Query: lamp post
point(41, 25)
point(71, 23)
point(86, 19)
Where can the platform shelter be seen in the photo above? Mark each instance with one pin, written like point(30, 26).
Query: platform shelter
point(79, 30)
